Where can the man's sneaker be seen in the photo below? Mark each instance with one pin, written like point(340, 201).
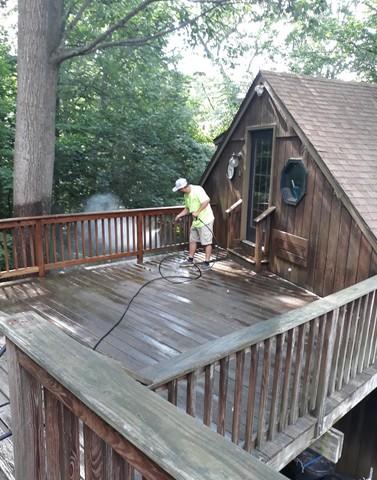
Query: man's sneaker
point(189, 262)
point(205, 266)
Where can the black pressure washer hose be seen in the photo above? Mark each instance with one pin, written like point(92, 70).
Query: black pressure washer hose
point(176, 279)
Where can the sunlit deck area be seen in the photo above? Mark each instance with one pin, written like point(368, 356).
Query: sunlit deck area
point(165, 319)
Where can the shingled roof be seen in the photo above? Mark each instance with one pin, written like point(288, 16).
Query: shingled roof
point(340, 121)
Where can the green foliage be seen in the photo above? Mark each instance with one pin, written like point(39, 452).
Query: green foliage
point(124, 127)
point(7, 124)
point(336, 41)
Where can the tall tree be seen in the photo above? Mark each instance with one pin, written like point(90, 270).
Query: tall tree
point(47, 37)
point(341, 38)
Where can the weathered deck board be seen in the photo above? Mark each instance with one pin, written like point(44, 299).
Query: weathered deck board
point(164, 321)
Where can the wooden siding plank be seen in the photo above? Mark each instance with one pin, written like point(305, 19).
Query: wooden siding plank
point(332, 246)
point(353, 255)
point(342, 250)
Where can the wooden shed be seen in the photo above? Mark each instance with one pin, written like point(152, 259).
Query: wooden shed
point(301, 153)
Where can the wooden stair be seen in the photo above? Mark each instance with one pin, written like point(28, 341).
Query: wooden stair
point(245, 252)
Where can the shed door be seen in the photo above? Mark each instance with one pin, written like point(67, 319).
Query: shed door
point(260, 176)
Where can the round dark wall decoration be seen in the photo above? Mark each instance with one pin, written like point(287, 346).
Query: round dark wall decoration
point(293, 181)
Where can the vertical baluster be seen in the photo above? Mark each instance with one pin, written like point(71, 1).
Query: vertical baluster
point(27, 419)
point(121, 234)
point(360, 334)
point(47, 241)
point(317, 362)
point(69, 241)
point(208, 389)
point(61, 227)
point(128, 233)
point(325, 367)
point(144, 236)
point(339, 340)
point(367, 331)
point(264, 393)
point(90, 238)
point(76, 239)
point(15, 247)
point(116, 234)
point(40, 261)
point(174, 231)
point(304, 407)
point(134, 220)
point(238, 387)
point(173, 392)
point(286, 381)
point(251, 394)
point(54, 249)
point(96, 235)
point(120, 468)
point(369, 359)
point(345, 345)
point(62, 441)
point(23, 247)
point(355, 328)
point(223, 391)
point(191, 394)
point(109, 236)
point(31, 235)
point(95, 456)
point(103, 236)
point(156, 230)
point(297, 375)
point(6, 253)
point(83, 239)
point(353, 320)
point(150, 232)
point(275, 386)
point(140, 236)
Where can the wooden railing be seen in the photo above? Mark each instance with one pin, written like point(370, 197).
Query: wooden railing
point(233, 223)
point(73, 406)
point(263, 236)
point(253, 383)
point(38, 244)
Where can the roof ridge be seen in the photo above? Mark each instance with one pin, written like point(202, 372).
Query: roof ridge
point(318, 79)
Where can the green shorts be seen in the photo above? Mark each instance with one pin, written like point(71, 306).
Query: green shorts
point(204, 234)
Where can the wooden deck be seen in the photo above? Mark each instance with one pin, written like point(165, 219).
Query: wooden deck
point(165, 319)
point(188, 321)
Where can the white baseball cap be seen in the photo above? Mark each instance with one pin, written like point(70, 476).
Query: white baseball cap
point(180, 183)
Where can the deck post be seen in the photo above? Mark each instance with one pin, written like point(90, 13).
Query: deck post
point(325, 367)
point(27, 419)
point(258, 247)
point(39, 248)
point(139, 239)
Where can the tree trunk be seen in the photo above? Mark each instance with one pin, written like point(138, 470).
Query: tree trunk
point(39, 34)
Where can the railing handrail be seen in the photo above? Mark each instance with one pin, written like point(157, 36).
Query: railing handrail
point(265, 214)
point(219, 348)
point(165, 436)
point(6, 222)
point(234, 206)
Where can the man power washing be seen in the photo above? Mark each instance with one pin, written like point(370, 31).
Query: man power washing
point(197, 204)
